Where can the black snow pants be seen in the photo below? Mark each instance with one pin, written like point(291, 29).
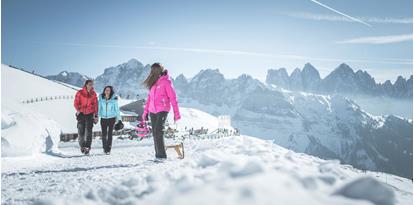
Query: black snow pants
point(85, 125)
point(107, 127)
point(157, 123)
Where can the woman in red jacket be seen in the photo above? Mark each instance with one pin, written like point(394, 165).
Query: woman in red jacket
point(86, 105)
point(161, 97)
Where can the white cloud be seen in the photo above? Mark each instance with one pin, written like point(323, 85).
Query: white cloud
point(379, 39)
point(337, 18)
point(341, 13)
point(238, 52)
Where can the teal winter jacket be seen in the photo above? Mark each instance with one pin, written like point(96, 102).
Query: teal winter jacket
point(109, 108)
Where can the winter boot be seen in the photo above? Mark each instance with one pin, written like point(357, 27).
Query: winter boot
point(86, 150)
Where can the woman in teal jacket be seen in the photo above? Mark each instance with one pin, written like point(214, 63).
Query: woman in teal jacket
point(108, 112)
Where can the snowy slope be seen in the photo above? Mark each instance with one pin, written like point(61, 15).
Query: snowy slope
point(18, 85)
point(32, 87)
point(191, 118)
point(233, 170)
point(32, 128)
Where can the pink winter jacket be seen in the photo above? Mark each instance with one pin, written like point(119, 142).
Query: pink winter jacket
point(161, 96)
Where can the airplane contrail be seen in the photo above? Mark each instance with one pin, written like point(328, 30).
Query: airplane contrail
point(343, 14)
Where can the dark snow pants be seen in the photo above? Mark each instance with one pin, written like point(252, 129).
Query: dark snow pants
point(107, 127)
point(157, 123)
point(85, 125)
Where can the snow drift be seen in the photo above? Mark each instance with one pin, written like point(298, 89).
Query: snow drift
point(25, 132)
point(370, 189)
point(27, 129)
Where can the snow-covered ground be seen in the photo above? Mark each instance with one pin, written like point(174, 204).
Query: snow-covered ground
point(231, 170)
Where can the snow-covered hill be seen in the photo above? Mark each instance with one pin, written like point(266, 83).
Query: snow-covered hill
point(39, 95)
point(230, 170)
point(331, 127)
point(18, 85)
point(29, 127)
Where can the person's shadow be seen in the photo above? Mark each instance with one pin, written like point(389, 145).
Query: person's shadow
point(76, 169)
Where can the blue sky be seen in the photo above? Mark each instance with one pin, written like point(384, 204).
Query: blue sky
point(186, 36)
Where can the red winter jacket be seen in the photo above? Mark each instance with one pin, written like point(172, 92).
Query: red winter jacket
point(85, 102)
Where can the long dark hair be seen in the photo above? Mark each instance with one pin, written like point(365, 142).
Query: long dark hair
point(156, 71)
point(110, 94)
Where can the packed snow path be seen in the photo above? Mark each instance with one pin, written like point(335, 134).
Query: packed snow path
point(232, 170)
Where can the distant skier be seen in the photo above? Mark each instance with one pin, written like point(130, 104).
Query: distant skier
point(160, 98)
point(109, 114)
point(86, 105)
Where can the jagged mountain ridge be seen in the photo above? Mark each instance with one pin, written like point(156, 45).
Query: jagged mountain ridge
point(342, 80)
point(71, 78)
point(126, 78)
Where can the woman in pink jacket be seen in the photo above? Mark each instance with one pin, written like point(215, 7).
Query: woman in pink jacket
point(161, 97)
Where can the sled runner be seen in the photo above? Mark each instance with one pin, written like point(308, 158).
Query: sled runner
point(143, 130)
point(179, 148)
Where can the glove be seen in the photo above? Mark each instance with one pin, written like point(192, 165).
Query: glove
point(144, 117)
point(79, 116)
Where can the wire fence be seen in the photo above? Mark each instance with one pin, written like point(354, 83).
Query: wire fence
point(182, 136)
point(47, 98)
point(203, 134)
